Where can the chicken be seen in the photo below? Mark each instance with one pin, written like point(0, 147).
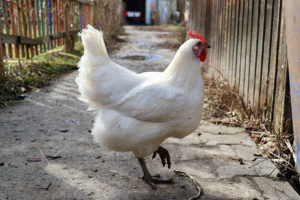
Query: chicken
point(137, 112)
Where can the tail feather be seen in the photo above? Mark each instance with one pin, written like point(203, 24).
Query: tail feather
point(95, 55)
point(92, 40)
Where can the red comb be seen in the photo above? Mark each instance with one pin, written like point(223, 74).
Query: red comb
point(196, 35)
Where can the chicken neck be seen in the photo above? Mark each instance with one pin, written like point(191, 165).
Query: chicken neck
point(184, 71)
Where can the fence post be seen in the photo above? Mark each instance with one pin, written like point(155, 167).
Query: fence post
point(292, 17)
point(66, 24)
point(2, 74)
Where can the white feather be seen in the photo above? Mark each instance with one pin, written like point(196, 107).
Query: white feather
point(137, 112)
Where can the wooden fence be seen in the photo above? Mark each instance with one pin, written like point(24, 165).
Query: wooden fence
point(249, 50)
point(30, 27)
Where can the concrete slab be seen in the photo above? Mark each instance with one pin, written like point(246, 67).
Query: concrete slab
point(273, 189)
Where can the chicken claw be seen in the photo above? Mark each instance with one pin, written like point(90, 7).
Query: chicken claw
point(150, 179)
point(164, 155)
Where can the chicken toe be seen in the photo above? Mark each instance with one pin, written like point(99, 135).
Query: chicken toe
point(164, 156)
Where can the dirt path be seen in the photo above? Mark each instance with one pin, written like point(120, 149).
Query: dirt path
point(54, 123)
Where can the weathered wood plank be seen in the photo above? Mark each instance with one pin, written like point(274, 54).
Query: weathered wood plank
point(219, 26)
point(248, 52)
point(24, 25)
point(240, 69)
point(2, 46)
point(47, 22)
point(220, 43)
point(235, 45)
point(29, 27)
point(281, 76)
point(260, 48)
point(6, 25)
point(223, 39)
point(58, 19)
point(2, 73)
point(67, 38)
point(244, 69)
point(208, 22)
point(34, 22)
point(53, 21)
point(232, 36)
point(19, 24)
point(266, 57)
point(228, 37)
point(254, 46)
point(274, 56)
point(38, 22)
point(13, 25)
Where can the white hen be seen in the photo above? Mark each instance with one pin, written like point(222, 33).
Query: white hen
point(137, 112)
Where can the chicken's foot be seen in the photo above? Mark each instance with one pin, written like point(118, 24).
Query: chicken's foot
point(150, 179)
point(164, 156)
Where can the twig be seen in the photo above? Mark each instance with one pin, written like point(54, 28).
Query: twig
point(196, 184)
point(272, 171)
point(258, 162)
point(288, 163)
point(44, 156)
point(288, 144)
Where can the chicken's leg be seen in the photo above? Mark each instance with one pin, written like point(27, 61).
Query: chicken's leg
point(164, 156)
point(150, 179)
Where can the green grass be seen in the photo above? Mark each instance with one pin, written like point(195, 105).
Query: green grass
point(36, 72)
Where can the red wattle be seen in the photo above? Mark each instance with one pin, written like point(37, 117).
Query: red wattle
point(203, 55)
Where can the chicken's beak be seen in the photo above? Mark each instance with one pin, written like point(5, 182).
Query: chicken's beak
point(207, 46)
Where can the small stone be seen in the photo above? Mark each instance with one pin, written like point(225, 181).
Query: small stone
point(95, 170)
point(91, 193)
point(90, 176)
point(241, 161)
point(1, 164)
